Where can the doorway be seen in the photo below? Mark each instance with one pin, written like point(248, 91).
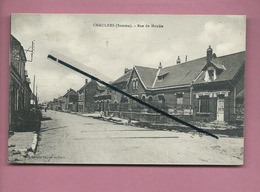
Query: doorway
point(220, 108)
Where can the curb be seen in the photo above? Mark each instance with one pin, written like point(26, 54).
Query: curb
point(23, 151)
point(34, 143)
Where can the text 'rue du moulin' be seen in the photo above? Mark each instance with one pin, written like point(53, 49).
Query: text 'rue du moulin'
point(127, 25)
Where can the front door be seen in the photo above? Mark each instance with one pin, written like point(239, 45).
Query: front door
point(220, 109)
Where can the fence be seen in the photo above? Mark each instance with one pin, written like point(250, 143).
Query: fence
point(136, 111)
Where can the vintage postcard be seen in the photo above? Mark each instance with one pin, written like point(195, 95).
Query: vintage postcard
point(127, 89)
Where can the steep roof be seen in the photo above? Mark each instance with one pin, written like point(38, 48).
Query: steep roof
point(69, 92)
point(185, 73)
point(16, 48)
point(147, 75)
point(232, 64)
point(123, 78)
point(180, 74)
point(99, 87)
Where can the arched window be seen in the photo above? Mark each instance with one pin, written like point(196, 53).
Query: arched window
point(135, 83)
point(143, 98)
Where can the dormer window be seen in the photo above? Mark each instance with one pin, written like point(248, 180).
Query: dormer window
point(210, 74)
point(162, 76)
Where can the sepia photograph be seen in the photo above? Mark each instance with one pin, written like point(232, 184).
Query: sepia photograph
point(127, 89)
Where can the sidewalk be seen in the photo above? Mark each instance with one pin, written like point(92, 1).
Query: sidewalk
point(108, 118)
point(21, 145)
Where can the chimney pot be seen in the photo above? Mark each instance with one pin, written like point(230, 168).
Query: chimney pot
point(178, 60)
point(160, 65)
point(209, 54)
point(126, 70)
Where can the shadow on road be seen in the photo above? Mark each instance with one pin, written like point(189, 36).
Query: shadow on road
point(85, 131)
point(46, 119)
point(52, 128)
point(144, 137)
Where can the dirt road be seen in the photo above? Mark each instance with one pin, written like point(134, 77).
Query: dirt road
point(73, 139)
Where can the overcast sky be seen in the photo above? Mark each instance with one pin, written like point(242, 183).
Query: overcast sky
point(110, 50)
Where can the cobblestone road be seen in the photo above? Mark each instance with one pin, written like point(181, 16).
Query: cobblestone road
point(73, 139)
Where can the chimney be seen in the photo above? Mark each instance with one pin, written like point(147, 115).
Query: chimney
point(186, 58)
point(178, 60)
point(126, 70)
point(86, 81)
point(209, 54)
point(160, 65)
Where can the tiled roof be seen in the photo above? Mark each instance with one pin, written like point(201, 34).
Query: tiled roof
point(180, 74)
point(123, 78)
point(147, 75)
point(70, 91)
point(103, 95)
point(99, 87)
point(232, 64)
point(185, 73)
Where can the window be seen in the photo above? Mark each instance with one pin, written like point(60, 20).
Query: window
point(179, 98)
point(161, 98)
point(135, 83)
point(211, 75)
point(204, 104)
point(143, 98)
point(160, 78)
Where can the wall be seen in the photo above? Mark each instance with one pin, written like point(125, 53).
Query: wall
point(90, 91)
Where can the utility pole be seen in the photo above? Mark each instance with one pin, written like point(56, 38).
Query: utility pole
point(31, 50)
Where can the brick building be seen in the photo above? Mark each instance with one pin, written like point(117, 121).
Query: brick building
point(206, 89)
point(69, 101)
point(20, 93)
point(86, 101)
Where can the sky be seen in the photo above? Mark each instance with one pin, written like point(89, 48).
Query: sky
point(111, 43)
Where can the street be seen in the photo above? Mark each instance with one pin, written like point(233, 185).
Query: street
point(74, 139)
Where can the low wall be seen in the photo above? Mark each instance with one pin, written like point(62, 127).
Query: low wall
point(150, 117)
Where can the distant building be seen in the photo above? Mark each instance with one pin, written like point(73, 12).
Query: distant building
point(70, 101)
point(86, 101)
point(110, 100)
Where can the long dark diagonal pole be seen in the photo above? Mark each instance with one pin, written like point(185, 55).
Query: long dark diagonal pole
point(130, 96)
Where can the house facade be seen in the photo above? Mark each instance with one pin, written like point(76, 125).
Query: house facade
point(69, 102)
point(218, 92)
point(20, 93)
point(110, 101)
point(86, 99)
point(206, 89)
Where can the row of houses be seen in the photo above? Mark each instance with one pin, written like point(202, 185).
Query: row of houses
point(210, 88)
point(78, 101)
point(20, 93)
